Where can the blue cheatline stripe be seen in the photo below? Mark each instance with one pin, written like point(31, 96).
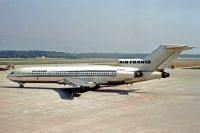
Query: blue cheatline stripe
point(85, 71)
point(70, 73)
point(63, 75)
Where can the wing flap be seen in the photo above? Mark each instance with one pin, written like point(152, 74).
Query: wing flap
point(77, 82)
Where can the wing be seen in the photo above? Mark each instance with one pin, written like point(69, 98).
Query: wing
point(77, 82)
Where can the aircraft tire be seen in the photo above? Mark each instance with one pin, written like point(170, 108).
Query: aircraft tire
point(21, 86)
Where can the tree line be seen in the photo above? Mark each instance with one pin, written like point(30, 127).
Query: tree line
point(54, 54)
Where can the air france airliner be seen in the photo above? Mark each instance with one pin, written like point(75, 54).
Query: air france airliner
point(129, 71)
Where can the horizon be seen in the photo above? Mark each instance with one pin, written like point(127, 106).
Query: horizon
point(182, 53)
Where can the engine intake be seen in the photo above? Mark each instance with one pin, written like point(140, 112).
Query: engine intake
point(138, 74)
point(165, 75)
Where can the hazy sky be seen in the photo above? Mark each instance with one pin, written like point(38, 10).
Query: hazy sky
point(132, 26)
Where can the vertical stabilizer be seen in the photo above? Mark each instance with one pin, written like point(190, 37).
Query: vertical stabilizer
point(163, 56)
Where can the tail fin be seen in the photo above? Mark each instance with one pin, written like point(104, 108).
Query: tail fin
point(158, 60)
point(163, 56)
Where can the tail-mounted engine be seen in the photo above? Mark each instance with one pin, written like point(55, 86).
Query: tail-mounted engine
point(138, 74)
point(165, 75)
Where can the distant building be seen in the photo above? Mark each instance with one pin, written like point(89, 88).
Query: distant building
point(43, 57)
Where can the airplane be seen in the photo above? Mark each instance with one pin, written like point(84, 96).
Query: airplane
point(8, 67)
point(94, 76)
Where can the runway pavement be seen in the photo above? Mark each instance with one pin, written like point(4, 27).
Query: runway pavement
point(156, 106)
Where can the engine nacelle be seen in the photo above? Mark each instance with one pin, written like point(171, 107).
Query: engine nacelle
point(138, 74)
point(165, 75)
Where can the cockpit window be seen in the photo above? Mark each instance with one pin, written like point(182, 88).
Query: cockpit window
point(12, 73)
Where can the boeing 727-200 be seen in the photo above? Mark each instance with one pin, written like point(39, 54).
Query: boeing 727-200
point(132, 70)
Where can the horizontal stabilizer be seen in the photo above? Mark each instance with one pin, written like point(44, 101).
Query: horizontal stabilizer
point(178, 47)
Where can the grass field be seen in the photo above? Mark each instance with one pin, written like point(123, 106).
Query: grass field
point(29, 61)
point(198, 67)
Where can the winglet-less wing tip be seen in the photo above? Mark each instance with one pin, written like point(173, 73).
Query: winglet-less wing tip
point(178, 46)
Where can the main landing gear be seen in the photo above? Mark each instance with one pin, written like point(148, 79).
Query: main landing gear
point(80, 90)
point(21, 86)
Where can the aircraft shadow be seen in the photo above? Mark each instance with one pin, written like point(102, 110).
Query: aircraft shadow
point(64, 93)
point(118, 91)
point(70, 93)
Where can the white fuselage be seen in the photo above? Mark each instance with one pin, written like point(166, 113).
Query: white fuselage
point(96, 74)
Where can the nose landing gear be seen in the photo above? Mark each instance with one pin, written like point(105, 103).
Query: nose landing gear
point(21, 86)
